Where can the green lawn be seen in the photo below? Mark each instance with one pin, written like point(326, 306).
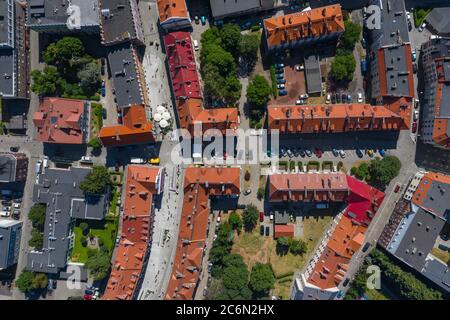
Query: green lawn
point(419, 15)
point(108, 235)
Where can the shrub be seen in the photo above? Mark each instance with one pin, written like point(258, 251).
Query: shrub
point(292, 165)
point(83, 241)
point(261, 193)
point(247, 175)
point(95, 143)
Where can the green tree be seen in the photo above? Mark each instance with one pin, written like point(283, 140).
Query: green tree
point(63, 51)
point(232, 89)
point(297, 247)
point(37, 215)
point(350, 36)
point(248, 48)
point(83, 241)
point(262, 279)
point(235, 221)
point(47, 82)
point(258, 92)
point(37, 240)
point(362, 172)
point(282, 245)
point(211, 36)
point(84, 228)
point(235, 278)
point(216, 56)
point(96, 181)
point(89, 77)
point(261, 193)
point(382, 171)
point(99, 265)
point(25, 281)
point(40, 281)
point(343, 67)
point(250, 217)
point(230, 36)
point(95, 143)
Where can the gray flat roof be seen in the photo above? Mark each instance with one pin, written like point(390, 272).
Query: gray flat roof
point(7, 167)
point(447, 69)
point(313, 76)
point(394, 27)
point(59, 190)
point(7, 74)
point(117, 20)
point(10, 233)
point(438, 19)
point(419, 239)
point(6, 24)
point(281, 217)
point(124, 75)
point(55, 12)
point(438, 199)
point(445, 101)
point(437, 272)
point(397, 74)
point(222, 8)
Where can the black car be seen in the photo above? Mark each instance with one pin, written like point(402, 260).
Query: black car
point(261, 230)
point(409, 25)
point(344, 98)
point(415, 67)
point(104, 113)
point(346, 281)
point(267, 231)
point(366, 246)
point(14, 149)
point(333, 98)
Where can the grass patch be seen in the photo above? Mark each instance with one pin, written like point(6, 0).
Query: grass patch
point(96, 109)
point(274, 81)
point(442, 255)
point(419, 15)
point(105, 230)
point(256, 248)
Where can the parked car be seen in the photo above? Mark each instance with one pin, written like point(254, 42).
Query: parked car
point(304, 96)
point(382, 152)
point(370, 152)
point(299, 67)
point(333, 98)
point(196, 45)
point(279, 71)
point(247, 192)
point(104, 113)
point(154, 160)
point(281, 80)
point(197, 20)
point(38, 167)
point(308, 152)
point(16, 206)
point(281, 86)
point(282, 92)
point(359, 153)
point(409, 25)
point(302, 153)
point(416, 115)
point(137, 161)
point(318, 153)
point(14, 149)
point(267, 231)
point(203, 18)
point(328, 99)
point(360, 97)
point(280, 76)
point(261, 216)
point(335, 152)
point(414, 55)
point(416, 104)
point(279, 65)
point(261, 230)
point(349, 98)
point(363, 42)
point(299, 102)
point(346, 282)
point(422, 26)
point(16, 214)
point(415, 67)
point(366, 247)
point(342, 153)
point(414, 127)
point(86, 159)
point(397, 188)
point(344, 98)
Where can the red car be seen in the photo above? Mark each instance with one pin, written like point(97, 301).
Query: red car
point(318, 153)
point(87, 297)
point(414, 127)
point(397, 187)
point(261, 216)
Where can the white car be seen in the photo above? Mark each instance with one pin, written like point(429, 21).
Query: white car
point(16, 205)
point(196, 45)
point(416, 115)
point(299, 102)
point(342, 153)
point(38, 166)
point(360, 97)
point(300, 67)
point(86, 159)
point(45, 163)
point(422, 26)
point(281, 86)
point(408, 15)
point(328, 100)
point(304, 96)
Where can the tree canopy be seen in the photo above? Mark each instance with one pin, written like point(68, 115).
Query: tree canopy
point(25, 281)
point(37, 215)
point(351, 35)
point(40, 281)
point(248, 48)
point(230, 36)
point(250, 217)
point(99, 264)
point(258, 92)
point(343, 67)
point(96, 181)
point(37, 240)
point(262, 279)
point(63, 51)
point(47, 82)
point(235, 221)
point(382, 171)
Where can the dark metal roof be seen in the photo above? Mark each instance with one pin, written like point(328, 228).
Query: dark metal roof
point(313, 76)
point(438, 19)
point(10, 233)
point(419, 239)
point(59, 190)
point(7, 72)
point(397, 73)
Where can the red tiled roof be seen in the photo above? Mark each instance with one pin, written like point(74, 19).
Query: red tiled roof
point(440, 126)
point(199, 184)
point(182, 67)
point(301, 25)
point(135, 129)
point(142, 183)
point(332, 118)
point(59, 120)
point(283, 230)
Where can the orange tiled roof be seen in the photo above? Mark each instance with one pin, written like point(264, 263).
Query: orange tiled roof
point(199, 184)
point(308, 187)
point(141, 184)
point(332, 118)
point(425, 184)
point(332, 265)
point(58, 120)
point(440, 126)
point(283, 230)
point(308, 24)
point(190, 112)
point(135, 129)
point(172, 9)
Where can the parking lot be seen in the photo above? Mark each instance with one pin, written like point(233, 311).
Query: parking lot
point(290, 79)
point(11, 203)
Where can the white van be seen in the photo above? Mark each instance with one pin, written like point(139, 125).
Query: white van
point(195, 45)
point(38, 167)
point(137, 161)
point(45, 163)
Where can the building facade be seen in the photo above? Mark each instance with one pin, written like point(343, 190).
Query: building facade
point(13, 167)
point(10, 234)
